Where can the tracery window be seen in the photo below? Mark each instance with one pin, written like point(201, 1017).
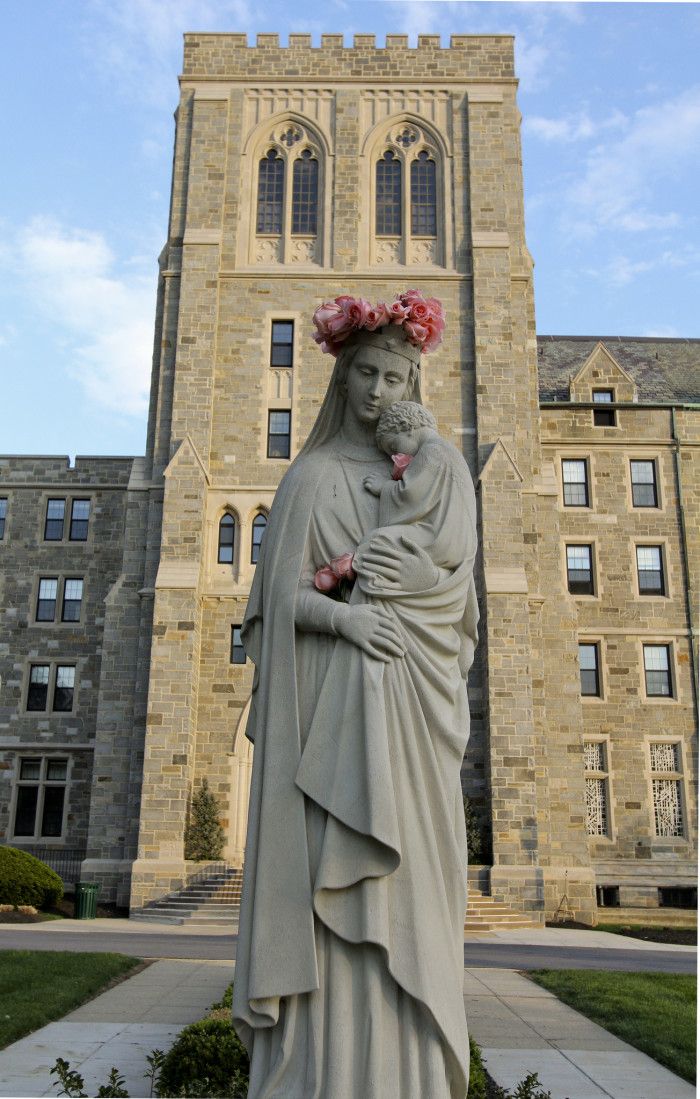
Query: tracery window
point(597, 808)
point(289, 187)
point(665, 760)
point(407, 210)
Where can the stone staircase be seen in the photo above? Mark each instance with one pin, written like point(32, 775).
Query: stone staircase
point(485, 913)
point(215, 901)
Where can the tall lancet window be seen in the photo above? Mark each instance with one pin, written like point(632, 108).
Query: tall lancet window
point(305, 194)
point(388, 199)
point(227, 535)
point(270, 194)
point(423, 196)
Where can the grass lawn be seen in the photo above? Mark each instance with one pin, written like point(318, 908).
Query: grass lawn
point(655, 1012)
point(40, 986)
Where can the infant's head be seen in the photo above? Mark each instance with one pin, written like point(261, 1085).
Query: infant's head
point(404, 427)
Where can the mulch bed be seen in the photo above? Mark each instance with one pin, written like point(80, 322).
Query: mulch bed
point(678, 936)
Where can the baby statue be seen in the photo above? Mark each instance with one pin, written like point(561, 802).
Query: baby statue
point(430, 489)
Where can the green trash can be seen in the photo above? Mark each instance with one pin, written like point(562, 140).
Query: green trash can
point(86, 900)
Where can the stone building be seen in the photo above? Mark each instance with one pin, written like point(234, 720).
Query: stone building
point(301, 172)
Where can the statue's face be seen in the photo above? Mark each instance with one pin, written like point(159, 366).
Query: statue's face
point(376, 379)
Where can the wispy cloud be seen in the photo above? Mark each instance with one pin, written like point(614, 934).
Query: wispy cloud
point(139, 42)
point(103, 316)
point(616, 188)
point(662, 331)
point(571, 128)
point(621, 270)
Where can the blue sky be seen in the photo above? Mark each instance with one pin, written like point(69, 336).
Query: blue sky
point(610, 97)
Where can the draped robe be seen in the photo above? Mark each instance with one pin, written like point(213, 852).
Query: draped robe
point(349, 962)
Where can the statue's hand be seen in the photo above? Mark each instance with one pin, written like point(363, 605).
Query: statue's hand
point(409, 569)
point(371, 628)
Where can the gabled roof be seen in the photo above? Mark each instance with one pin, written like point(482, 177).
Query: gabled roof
point(663, 369)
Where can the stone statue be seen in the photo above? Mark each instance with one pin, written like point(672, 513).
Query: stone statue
point(362, 625)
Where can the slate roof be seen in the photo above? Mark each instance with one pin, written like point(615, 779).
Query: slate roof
point(664, 369)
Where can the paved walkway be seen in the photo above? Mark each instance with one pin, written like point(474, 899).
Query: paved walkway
point(520, 1027)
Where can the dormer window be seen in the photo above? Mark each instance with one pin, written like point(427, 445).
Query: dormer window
point(603, 417)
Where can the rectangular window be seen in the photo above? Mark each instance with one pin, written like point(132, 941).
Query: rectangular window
point(55, 515)
point(237, 651)
point(579, 570)
point(3, 516)
point(64, 689)
point(79, 518)
point(279, 434)
point(46, 600)
point(595, 766)
point(603, 417)
point(665, 760)
point(72, 600)
point(650, 570)
point(282, 347)
point(644, 493)
point(41, 793)
point(657, 671)
point(588, 664)
point(575, 478)
point(38, 692)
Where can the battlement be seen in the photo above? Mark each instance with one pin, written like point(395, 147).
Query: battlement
point(230, 57)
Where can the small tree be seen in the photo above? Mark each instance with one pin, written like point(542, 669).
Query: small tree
point(204, 836)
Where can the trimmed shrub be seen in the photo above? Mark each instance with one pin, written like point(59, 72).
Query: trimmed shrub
point(477, 1075)
point(207, 1059)
point(26, 880)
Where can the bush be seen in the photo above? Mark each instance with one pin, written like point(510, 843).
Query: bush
point(208, 1058)
point(26, 880)
point(204, 836)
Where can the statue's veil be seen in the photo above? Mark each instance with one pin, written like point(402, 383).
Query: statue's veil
point(331, 412)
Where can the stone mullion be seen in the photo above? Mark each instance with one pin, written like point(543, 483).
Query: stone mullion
point(347, 179)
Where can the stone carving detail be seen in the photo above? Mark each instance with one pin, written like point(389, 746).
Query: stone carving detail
point(388, 251)
point(303, 251)
point(279, 383)
point(423, 251)
point(268, 250)
point(404, 136)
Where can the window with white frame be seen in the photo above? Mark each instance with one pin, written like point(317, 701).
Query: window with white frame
point(603, 417)
point(288, 194)
point(46, 599)
point(579, 569)
point(574, 472)
point(407, 175)
point(51, 683)
point(650, 570)
point(40, 798)
point(666, 787)
point(589, 670)
point(657, 671)
point(71, 598)
point(597, 793)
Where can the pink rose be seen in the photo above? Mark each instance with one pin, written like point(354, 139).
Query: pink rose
point(401, 463)
point(325, 579)
point(417, 333)
point(356, 310)
point(377, 317)
point(397, 312)
point(409, 296)
point(342, 567)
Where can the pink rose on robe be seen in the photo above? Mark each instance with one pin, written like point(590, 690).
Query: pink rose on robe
point(342, 567)
point(401, 463)
point(325, 579)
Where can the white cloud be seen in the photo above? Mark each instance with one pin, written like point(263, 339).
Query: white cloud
point(104, 317)
point(570, 128)
point(616, 187)
point(662, 331)
point(139, 42)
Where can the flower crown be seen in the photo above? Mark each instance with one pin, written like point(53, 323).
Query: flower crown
point(422, 319)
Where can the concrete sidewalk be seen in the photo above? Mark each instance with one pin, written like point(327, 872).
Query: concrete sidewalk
point(520, 1027)
point(121, 1028)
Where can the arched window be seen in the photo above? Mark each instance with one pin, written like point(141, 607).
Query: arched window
point(227, 536)
point(270, 194)
point(388, 200)
point(423, 197)
point(259, 524)
point(305, 194)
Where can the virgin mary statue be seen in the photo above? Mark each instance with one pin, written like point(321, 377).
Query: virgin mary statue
point(350, 950)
